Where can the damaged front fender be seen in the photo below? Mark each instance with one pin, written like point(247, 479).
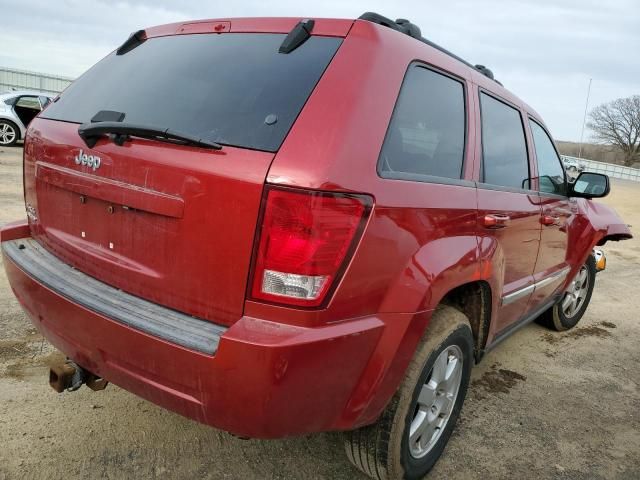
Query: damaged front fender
point(605, 222)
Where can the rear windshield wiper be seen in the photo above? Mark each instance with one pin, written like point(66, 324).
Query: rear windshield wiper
point(121, 131)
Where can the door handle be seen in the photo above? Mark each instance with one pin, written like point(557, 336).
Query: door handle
point(549, 220)
point(494, 220)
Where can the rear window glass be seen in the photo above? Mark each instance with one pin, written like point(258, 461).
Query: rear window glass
point(234, 89)
point(426, 132)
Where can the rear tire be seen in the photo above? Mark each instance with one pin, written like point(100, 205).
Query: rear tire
point(566, 314)
point(386, 450)
point(9, 133)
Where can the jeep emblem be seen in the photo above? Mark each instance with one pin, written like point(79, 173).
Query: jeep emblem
point(92, 161)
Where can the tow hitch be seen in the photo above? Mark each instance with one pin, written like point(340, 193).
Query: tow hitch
point(70, 376)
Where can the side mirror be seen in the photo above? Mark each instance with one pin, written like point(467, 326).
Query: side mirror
point(591, 185)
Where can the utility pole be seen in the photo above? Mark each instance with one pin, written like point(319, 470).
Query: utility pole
point(584, 119)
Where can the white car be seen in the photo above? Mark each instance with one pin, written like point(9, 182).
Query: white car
point(573, 166)
point(17, 109)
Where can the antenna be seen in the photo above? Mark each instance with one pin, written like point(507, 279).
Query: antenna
point(584, 119)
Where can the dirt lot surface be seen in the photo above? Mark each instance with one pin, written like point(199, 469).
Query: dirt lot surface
point(542, 405)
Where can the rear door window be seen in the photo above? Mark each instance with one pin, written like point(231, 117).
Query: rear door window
point(504, 149)
point(234, 88)
point(426, 135)
point(29, 102)
point(550, 171)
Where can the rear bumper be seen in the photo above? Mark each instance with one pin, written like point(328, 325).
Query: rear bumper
point(265, 379)
point(158, 321)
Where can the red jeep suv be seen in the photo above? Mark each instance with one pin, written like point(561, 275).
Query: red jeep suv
point(280, 226)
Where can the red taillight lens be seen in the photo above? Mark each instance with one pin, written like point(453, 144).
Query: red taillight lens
point(303, 243)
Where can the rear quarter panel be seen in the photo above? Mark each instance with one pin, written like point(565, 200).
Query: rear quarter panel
point(420, 241)
point(334, 145)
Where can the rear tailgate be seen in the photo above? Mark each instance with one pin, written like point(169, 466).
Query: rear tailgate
point(169, 223)
point(173, 224)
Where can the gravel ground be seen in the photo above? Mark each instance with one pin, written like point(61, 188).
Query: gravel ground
point(542, 405)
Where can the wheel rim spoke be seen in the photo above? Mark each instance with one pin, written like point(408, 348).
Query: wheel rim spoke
point(446, 404)
point(418, 426)
point(451, 375)
point(439, 368)
point(427, 394)
point(427, 435)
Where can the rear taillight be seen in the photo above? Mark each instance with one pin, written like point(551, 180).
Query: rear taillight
point(304, 243)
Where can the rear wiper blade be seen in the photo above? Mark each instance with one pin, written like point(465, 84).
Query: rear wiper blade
point(121, 131)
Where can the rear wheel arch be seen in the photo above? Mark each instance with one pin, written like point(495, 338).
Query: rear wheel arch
point(474, 300)
point(11, 121)
point(430, 272)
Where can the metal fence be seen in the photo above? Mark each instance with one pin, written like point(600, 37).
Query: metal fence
point(12, 79)
point(611, 169)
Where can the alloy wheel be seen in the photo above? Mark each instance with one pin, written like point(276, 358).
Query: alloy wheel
point(7, 134)
point(436, 401)
point(576, 294)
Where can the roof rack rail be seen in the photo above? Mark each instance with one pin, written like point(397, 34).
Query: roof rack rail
point(405, 26)
point(401, 25)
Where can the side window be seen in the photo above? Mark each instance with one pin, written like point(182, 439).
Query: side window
point(28, 102)
point(550, 170)
point(504, 149)
point(426, 132)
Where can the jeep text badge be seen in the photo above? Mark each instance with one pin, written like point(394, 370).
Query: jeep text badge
point(92, 161)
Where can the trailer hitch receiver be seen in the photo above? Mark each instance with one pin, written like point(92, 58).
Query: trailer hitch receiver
point(70, 376)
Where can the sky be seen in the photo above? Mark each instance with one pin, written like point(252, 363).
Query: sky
point(544, 51)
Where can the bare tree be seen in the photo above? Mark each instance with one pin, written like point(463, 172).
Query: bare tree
point(617, 123)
